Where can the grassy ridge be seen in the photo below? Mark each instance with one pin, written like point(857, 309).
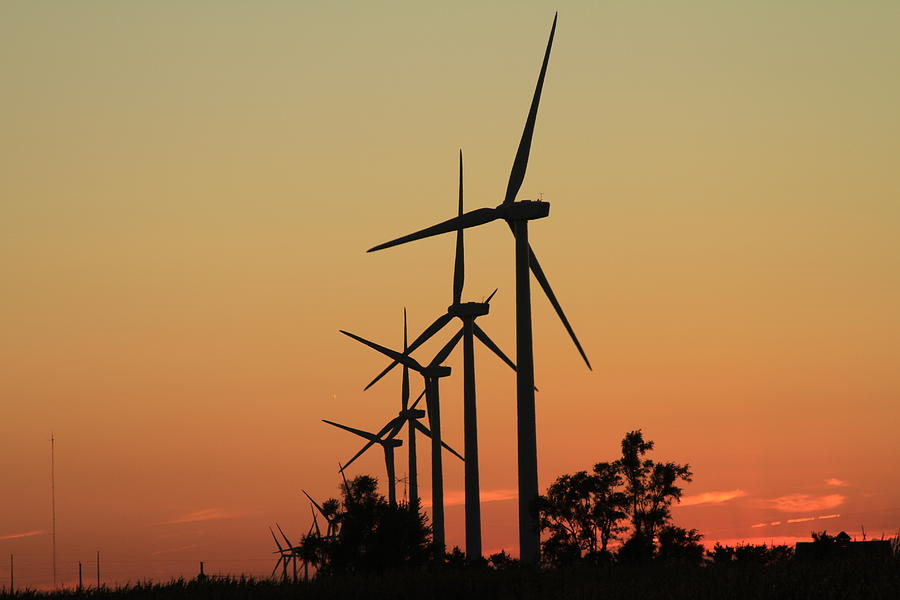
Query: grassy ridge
point(845, 579)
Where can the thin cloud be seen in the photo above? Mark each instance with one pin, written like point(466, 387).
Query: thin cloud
point(801, 520)
point(458, 497)
point(712, 497)
point(835, 482)
point(15, 536)
point(805, 502)
point(796, 520)
point(206, 514)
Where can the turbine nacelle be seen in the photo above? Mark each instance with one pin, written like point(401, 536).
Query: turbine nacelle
point(469, 310)
point(435, 371)
point(412, 413)
point(524, 210)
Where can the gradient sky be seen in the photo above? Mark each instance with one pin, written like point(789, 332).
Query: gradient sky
point(187, 191)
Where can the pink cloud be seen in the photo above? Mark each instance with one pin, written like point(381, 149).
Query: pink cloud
point(836, 482)
point(206, 514)
point(805, 502)
point(797, 520)
point(712, 497)
point(15, 536)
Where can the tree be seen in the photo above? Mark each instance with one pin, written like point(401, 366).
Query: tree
point(581, 513)
point(677, 544)
point(650, 487)
point(374, 535)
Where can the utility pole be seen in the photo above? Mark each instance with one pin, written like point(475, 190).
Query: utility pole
point(53, 505)
point(80, 581)
point(12, 576)
point(98, 569)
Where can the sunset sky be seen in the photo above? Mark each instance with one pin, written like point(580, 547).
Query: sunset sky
point(187, 191)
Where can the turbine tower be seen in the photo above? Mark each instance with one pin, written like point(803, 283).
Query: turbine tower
point(517, 214)
point(431, 373)
point(466, 312)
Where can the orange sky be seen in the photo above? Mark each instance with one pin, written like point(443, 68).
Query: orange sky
point(186, 194)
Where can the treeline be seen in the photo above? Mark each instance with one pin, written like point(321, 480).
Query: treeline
point(617, 513)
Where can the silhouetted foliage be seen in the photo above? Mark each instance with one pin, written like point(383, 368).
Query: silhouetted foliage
point(747, 554)
point(680, 545)
point(651, 487)
point(372, 534)
point(582, 513)
point(502, 561)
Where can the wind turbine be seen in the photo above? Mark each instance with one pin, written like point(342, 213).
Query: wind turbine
point(332, 528)
point(466, 312)
point(285, 554)
point(517, 214)
point(388, 444)
point(431, 373)
point(409, 416)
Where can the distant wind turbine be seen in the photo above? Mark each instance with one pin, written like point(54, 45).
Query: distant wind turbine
point(387, 444)
point(431, 373)
point(466, 312)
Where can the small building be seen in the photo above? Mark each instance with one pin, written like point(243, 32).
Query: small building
point(841, 546)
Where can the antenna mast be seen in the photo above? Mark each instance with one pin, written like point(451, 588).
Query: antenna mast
point(53, 506)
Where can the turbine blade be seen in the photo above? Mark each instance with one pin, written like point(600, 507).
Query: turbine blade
point(452, 451)
point(390, 425)
point(488, 301)
point(403, 359)
point(423, 337)
point(404, 390)
point(459, 267)
point(489, 343)
point(358, 454)
point(281, 531)
point(277, 564)
point(316, 504)
point(473, 218)
point(359, 432)
point(416, 403)
point(393, 427)
point(517, 175)
point(542, 280)
point(427, 432)
point(277, 543)
point(447, 349)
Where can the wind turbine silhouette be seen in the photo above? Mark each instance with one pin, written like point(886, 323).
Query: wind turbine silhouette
point(332, 528)
point(387, 444)
point(517, 214)
point(466, 312)
point(285, 554)
point(431, 373)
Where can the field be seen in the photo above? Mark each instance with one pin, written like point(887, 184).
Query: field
point(844, 579)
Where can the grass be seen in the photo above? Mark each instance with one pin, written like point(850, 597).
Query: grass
point(844, 579)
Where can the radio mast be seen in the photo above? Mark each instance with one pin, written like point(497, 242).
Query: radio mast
point(53, 506)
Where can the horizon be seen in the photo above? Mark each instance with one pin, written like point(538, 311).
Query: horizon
point(188, 200)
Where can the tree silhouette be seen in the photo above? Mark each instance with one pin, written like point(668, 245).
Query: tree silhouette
point(582, 513)
point(651, 487)
point(372, 534)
